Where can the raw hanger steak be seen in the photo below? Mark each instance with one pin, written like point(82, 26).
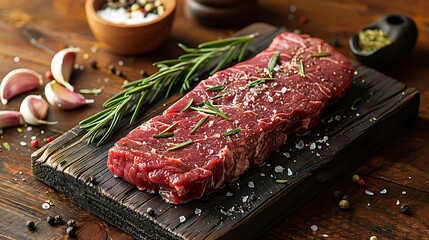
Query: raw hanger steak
point(235, 121)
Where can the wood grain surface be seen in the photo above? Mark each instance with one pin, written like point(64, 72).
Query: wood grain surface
point(35, 30)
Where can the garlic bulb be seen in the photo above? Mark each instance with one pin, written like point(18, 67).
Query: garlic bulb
point(62, 66)
point(34, 109)
point(63, 98)
point(10, 119)
point(18, 81)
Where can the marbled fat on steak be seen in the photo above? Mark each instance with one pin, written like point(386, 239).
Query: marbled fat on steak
point(264, 114)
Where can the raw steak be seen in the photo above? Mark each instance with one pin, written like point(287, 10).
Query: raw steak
point(262, 116)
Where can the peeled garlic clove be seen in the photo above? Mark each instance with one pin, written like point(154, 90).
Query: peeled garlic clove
point(63, 98)
point(34, 109)
point(10, 119)
point(18, 81)
point(62, 66)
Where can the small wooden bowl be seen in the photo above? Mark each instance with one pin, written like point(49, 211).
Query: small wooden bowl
point(130, 39)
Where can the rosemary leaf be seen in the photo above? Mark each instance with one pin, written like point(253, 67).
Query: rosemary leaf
point(321, 54)
point(163, 135)
point(216, 88)
point(219, 96)
point(198, 125)
point(281, 181)
point(259, 81)
point(169, 128)
point(216, 110)
point(301, 69)
point(187, 105)
point(272, 63)
point(203, 110)
point(180, 145)
point(232, 132)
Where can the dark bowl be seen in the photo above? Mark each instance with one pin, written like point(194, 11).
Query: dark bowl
point(402, 32)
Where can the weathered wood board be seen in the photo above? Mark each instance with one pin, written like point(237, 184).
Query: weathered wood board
point(374, 110)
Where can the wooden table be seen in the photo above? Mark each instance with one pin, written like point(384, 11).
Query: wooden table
point(32, 31)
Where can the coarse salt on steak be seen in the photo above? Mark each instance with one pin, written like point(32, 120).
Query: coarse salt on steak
point(262, 117)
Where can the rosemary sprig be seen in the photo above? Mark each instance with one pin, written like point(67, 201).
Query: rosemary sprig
point(209, 56)
point(321, 54)
point(301, 69)
point(259, 81)
point(219, 96)
point(180, 145)
point(169, 128)
point(198, 125)
point(272, 63)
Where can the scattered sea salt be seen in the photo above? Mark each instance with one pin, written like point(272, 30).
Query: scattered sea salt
point(314, 228)
point(251, 184)
point(299, 145)
point(245, 198)
point(29, 128)
point(404, 192)
point(369, 192)
point(16, 59)
point(384, 191)
point(197, 211)
point(283, 90)
point(325, 138)
point(289, 172)
point(286, 154)
point(229, 194)
point(338, 117)
point(312, 146)
point(22, 143)
point(398, 202)
point(262, 174)
point(182, 219)
point(279, 169)
point(46, 205)
point(325, 235)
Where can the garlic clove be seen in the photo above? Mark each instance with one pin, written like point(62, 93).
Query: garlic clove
point(62, 66)
point(34, 109)
point(10, 119)
point(18, 81)
point(63, 98)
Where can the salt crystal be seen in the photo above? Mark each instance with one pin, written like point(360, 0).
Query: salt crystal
point(46, 205)
point(251, 184)
point(338, 117)
point(182, 219)
point(283, 90)
point(314, 228)
point(325, 138)
point(262, 174)
point(384, 191)
point(404, 192)
point(197, 211)
point(289, 172)
point(279, 169)
point(299, 145)
point(229, 194)
point(16, 59)
point(369, 192)
point(286, 154)
point(312, 146)
point(29, 128)
point(398, 202)
point(369, 204)
point(317, 154)
point(325, 235)
point(245, 198)
point(22, 143)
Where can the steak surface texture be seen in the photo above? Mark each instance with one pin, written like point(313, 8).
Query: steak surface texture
point(258, 116)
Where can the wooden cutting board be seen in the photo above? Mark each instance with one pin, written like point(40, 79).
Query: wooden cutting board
point(375, 109)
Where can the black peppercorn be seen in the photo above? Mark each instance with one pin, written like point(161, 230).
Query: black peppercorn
point(338, 195)
point(143, 73)
point(50, 220)
point(94, 64)
point(111, 68)
point(405, 208)
point(70, 231)
point(150, 211)
point(30, 225)
point(71, 223)
point(58, 219)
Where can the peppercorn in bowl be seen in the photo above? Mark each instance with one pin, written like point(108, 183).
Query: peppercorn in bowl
point(130, 27)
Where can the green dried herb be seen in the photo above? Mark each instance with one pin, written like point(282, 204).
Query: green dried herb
point(180, 145)
point(301, 69)
point(163, 135)
point(232, 132)
point(272, 63)
point(187, 105)
point(198, 125)
point(259, 81)
point(216, 88)
point(168, 128)
point(321, 54)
